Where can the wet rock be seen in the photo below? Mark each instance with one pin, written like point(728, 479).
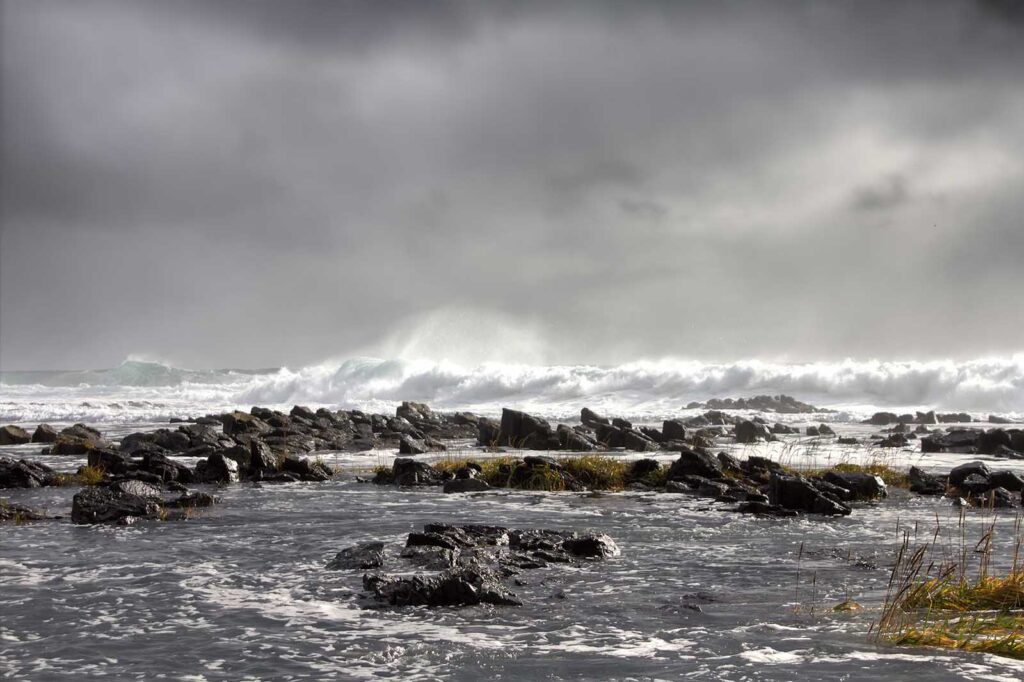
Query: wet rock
point(926, 418)
point(974, 484)
point(192, 499)
point(673, 429)
point(989, 442)
point(1010, 480)
point(796, 492)
point(571, 439)
point(260, 456)
point(924, 483)
point(408, 445)
point(825, 430)
point(104, 505)
point(411, 472)
point(217, 469)
point(751, 432)
point(24, 474)
point(761, 508)
point(960, 473)
point(306, 469)
point(363, 556)
point(695, 463)
point(783, 429)
point(863, 486)
point(167, 469)
point(137, 488)
point(110, 461)
point(19, 513)
point(643, 468)
point(461, 586)
point(239, 423)
point(881, 419)
point(466, 485)
point(591, 546)
point(44, 433)
point(958, 440)
point(522, 430)
point(995, 419)
point(14, 435)
point(429, 558)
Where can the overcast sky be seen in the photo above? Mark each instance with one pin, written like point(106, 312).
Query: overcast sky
point(264, 183)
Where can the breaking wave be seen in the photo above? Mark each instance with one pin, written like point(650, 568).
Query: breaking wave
point(645, 388)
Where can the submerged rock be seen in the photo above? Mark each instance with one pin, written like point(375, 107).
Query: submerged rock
point(461, 586)
point(796, 492)
point(24, 474)
point(362, 556)
point(105, 505)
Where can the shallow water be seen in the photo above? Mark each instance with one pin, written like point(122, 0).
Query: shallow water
point(240, 591)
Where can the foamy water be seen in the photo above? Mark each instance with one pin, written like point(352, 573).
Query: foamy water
point(647, 389)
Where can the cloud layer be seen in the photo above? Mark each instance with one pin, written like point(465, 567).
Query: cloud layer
point(262, 183)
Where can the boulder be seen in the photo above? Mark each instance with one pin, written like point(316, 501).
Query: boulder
point(571, 439)
point(958, 474)
point(460, 586)
point(105, 505)
point(975, 485)
point(44, 433)
point(796, 492)
point(924, 483)
point(217, 469)
point(695, 463)
point(591, 546)
point(363, 556)
point(590, 418)
point(14, 435)
point(989, 442)
point(1010, 480)
point(408, 445)
point(306, 469)
point(862, 486)
point(519, 429)
point(261, 458)
point(881, 419)
point(24, 474)
point(751, 432)
point(239, 423)
point(110, 461)
point(411, 472)
point(166, 468)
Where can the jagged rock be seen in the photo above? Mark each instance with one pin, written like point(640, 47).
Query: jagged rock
point(643, 468)
point(989, 442)
point(926, 418)
point(239, 423)
point(110, 461)
point(24, 474)
point(167, 469)
point(958, 440)
point(77, 440)
point(762, 508)
point(1010, 480)
point(796, 492)
point(673, 429)
point(974, 484)
point(362, 556)
point(137, 488)
point(411, 446)
point(461, 586)
point(261, 458)
point(881, 419)
point(592, 419)
point(19, 513)
point(14, 435)
point(694, 463)
point(519, 429)
point(924, 483)
point(217, 469)
point(104, 505)
point(306, 469)
point(571, 439)
point(466, 485)
point(44, 433)
point(825, 430)
point(429, 558)
point(863, 486)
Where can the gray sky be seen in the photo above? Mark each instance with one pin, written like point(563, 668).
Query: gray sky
point(264, 183)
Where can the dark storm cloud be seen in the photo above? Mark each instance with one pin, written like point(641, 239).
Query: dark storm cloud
point(255, 183)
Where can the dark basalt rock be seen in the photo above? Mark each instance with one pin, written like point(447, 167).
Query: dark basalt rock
point(14, 435)
point(78, 440)
point(762, 508)
point(974, 485)
point(238, 423)
point(571, 439)
point(408, 445)
point(673, 429)
point(411, 472)
point(924, 483)
point(989, 442)
point(260, 456)
point(363, 556)
point(519, 429)
point(958, 440)
point(960, 473)
point(306, 469)
point(111, 461)
point(104, 505)
point(882, 419)
point(591, 545)
point(166, 469)
point(695, 463)
point(461, 586)
point(429, 558)
point(796, 492)
point(217, 469)
point(44, 433)
point(24, 474)
point(862, 486)
point(643, 468)
point(1006, 479)
point(751, 432)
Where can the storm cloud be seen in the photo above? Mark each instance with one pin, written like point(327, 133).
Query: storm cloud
point(264, 183)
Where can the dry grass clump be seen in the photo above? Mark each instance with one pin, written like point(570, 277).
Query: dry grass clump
point(948, 604)
point(892, 477)
point(597, 472)
point(86, 475)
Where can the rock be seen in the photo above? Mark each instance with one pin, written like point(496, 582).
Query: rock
point(796, 492)
point(957, 440)
point(825, 430)
point(24, 474)
point(239, 423)
point(411, 472)
point(303, 413)
point(14, 435)
point(522, 430)
point(78, 440)
point(692, 462)
point(761, 508)
point(1010, 480)
point(217, 469)
point(924, 483)
point(363, 556)
point(110, 461)
point(466, 485)
point(429, 558)
point(863, 486)
point(104, 505)
point(18, 513)
point(488, 432)
point(958, 474)
point(592, 419)
point(783, 429)
point(137, 488)
point(673, 429)
point(995, 419)
point(637, 441)
point(192, 499)
point(44, 433)
point(306, 470)
point(1007, 453)
point(881, 419)
point(643, 468)
point(591, 546)
point(411, 446)
point(926, 418)
point(989, 442)
point(812, 431)
point(462, 586)
point(750, 432)
point(261, 458)
point(571, 439)
point(167, 469)
point(974, 485)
